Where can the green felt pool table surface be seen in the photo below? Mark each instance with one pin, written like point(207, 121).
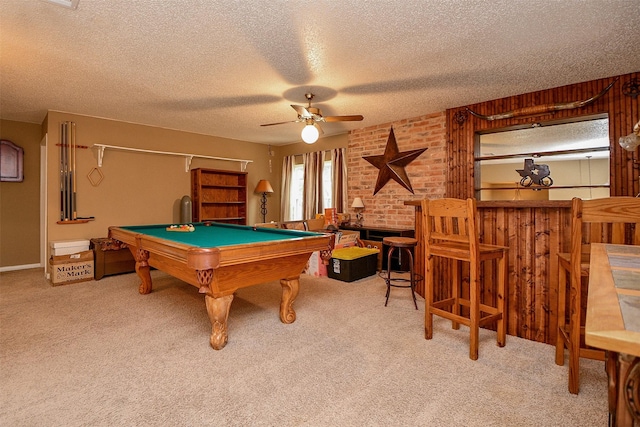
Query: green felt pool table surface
point(218, 234)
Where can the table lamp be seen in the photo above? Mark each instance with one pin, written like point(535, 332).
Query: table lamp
point(264, 187)
point(358, 206)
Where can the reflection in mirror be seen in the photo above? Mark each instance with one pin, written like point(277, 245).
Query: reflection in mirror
point(544, 162)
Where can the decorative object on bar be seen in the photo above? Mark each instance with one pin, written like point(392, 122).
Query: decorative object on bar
point(535, 174)
point(543, 109)
point(392, 163)
point(358, 205)
point(311, 116)
point(631, 141)
point(263, 187)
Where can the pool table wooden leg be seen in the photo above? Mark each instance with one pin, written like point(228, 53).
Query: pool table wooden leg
point(290, 288)
point(142, 268)
point(218, 309)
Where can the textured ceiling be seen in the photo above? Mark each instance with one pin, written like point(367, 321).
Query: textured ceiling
point(224, 67)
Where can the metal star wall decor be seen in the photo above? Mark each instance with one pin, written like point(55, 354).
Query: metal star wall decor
point(392, 163)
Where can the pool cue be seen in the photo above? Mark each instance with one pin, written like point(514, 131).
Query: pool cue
point(66, 171)
point(69, 208)
point(74, 213)
point(62, 157)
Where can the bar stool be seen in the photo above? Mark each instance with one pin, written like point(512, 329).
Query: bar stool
point(405, 244)
point(451, 231)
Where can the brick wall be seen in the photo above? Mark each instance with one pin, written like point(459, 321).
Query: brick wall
point(427, 173)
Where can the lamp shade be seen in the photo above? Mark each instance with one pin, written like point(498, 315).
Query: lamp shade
point(264, 187)
point(310, 134)
point(357, 203)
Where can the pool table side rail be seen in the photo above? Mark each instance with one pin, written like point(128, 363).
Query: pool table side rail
point(207, 258)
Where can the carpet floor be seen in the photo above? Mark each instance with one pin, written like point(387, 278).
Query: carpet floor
point(97, 353)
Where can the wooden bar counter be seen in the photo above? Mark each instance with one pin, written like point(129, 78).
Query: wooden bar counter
point(535, 231)
point(613, 324)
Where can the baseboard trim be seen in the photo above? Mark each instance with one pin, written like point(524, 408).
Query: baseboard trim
point(20, 267)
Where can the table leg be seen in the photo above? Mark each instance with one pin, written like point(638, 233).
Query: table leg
point(611, 365)
point(290, 288)
point(218, 309)
point(142, 268)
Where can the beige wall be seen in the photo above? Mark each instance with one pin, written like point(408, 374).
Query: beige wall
point(137, 188)
point(20, 201)
point(326, 143)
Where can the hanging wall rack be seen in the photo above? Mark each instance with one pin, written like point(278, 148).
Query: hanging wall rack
point(188, 157)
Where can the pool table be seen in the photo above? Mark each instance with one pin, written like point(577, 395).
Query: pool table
point(221, 258)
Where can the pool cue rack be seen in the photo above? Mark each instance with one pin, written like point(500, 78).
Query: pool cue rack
point(68, 175)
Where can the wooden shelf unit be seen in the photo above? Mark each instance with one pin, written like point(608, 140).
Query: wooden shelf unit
point(219, 195)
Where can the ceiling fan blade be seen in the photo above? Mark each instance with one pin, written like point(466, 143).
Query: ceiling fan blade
point(317, 126)
point(281, 123)
point(302, 111)
point(354, 118)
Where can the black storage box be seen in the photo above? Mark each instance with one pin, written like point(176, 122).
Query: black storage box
point(349, 264)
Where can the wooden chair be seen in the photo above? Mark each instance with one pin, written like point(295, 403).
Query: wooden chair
point(315, 224)
point(608, 220)
point(299, 225)
point(450, 228)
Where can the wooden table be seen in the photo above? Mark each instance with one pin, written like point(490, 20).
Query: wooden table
point(613, 324)
point(221, 258)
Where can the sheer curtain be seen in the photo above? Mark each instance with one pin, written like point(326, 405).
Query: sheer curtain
point(312, 200)
point(339, 179)
point(285, 191)
point(312, 197)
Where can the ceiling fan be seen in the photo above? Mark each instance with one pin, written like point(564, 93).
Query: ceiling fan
point(311, 116)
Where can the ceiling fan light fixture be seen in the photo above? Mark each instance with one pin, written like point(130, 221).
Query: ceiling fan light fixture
point(310, 134)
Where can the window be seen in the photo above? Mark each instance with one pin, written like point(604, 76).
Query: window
point(296, 195)
point(552, 161)
point(327, 183)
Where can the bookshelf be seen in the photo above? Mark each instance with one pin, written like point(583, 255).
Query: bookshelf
point(219, 195)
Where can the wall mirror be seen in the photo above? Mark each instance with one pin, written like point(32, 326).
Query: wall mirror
point(544, 161)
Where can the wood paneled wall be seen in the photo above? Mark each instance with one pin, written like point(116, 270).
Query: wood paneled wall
point(536, 231)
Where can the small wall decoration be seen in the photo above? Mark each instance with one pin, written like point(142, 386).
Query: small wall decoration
point(535, 174)
point(392, 163)
point(11, 162)
point(631, 88)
